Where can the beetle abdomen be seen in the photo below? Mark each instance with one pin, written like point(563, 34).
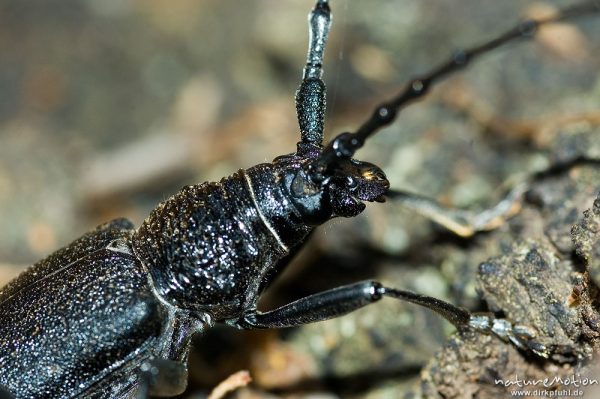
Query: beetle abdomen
point(208, 246)
point(77, 316)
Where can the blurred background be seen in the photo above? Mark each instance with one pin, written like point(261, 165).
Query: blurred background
point(108, 107)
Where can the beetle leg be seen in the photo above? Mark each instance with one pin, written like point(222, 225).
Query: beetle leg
point(466, 223)
point(341, 300)
point(463, 223)
point(523, 337)
point(162, 377)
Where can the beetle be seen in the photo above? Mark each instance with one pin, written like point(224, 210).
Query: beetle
point(150, 298)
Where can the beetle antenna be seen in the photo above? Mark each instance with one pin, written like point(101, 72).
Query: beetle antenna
point(310, 97)
point(344, 145)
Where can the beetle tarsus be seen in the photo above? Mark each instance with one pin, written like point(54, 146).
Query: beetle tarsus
point(523, 337)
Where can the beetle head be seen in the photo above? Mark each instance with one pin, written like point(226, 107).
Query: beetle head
point(341, 193)
point(354, 182)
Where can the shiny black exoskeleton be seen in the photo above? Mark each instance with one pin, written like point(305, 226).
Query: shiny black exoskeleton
point(112, 314)
point(213, 247)
point(118, 298)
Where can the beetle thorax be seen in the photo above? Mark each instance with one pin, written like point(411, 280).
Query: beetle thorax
point(209, 247)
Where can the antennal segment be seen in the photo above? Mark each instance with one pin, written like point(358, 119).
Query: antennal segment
point(346, 144)
point(310, 97)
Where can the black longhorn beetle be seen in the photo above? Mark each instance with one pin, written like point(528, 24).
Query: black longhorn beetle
point(112, 314)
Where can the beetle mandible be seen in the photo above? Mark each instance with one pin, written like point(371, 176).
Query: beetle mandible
point(205, 255)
